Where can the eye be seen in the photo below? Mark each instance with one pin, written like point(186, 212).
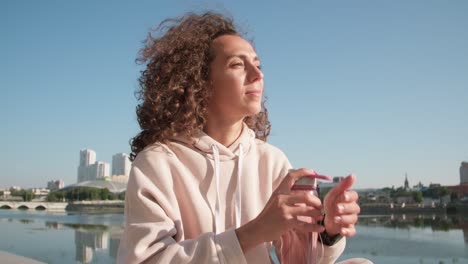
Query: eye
point(237, 64)
point(259, 67)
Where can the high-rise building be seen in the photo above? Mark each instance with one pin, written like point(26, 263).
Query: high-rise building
point(464, 172)
point(121, 164)
point(99, 169)
point(87, 158)
point(55, 185)
point(91, 170)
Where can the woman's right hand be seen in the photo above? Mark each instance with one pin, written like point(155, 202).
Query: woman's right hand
point(280, 214)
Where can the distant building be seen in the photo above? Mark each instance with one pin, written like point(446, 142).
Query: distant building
point(324, 187)
point(55, 185)
point(121, 164)
point(119, 178)
point(406, 182)
point(87, 158)
point(6, 194)
point(404, 199)
point(92, 170)
point(461, 191)
point(99, 169)
point(40, 191)
point(464, 172)
point(338, 179)
point(418, 187)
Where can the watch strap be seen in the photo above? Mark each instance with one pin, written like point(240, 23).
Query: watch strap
point(327, 239)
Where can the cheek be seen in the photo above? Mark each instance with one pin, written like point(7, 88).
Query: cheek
point(228, 86)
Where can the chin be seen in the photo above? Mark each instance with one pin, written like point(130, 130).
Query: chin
point(255, 110)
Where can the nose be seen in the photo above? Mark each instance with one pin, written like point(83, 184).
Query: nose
point(254, 73)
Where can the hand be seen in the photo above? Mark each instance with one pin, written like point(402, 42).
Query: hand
point(341, 208)
point(280, 214)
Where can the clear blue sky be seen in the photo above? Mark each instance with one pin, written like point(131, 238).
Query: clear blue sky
point(378, 88)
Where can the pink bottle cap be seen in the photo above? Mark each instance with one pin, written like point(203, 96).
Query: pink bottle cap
point(309, 182)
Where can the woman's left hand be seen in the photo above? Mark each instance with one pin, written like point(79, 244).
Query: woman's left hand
point(341, 208)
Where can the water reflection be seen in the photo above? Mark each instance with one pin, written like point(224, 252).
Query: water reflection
point(26, 221)
point(92, 238)
point(436, 222)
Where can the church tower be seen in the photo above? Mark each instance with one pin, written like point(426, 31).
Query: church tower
point(406, 182)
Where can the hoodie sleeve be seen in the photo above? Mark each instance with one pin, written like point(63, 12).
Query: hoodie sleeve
point(152, 236)
point(332, 253)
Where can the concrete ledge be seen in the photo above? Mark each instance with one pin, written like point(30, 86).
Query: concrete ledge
point(8, 258)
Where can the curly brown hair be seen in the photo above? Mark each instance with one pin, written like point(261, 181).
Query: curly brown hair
point(174, 91)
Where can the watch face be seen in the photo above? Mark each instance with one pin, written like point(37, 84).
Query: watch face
point(328, 240)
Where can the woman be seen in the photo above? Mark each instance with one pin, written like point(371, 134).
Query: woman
point(205, 187)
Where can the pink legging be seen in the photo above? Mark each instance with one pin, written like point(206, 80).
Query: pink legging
point(293, 249)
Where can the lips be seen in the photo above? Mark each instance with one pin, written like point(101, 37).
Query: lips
point(253, 92)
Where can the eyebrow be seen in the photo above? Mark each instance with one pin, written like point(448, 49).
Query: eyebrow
point(242, 56)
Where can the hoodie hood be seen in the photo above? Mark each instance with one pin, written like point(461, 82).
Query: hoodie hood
point(204, 143)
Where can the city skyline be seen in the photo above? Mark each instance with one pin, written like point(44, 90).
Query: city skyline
point(91, 169)
point(374, 89)
point(463, 174)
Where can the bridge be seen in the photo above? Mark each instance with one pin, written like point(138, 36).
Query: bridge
point(33, 206)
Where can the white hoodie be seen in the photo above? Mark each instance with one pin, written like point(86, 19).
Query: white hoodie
point(184, 200)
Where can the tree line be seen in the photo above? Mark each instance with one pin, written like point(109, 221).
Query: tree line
point(27, 195)
point(84, 194)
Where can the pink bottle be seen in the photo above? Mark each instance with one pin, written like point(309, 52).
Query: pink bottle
point(297, 248)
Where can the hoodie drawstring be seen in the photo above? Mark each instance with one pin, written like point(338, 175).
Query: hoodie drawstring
point(216, 174)
point(238, 189)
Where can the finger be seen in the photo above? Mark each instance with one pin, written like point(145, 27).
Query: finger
point(347, 208)
point(306, 211)
point(345, 220)
point(348, 231)
point(305, 227)
point(304, 197)
point(342, 186)
point(291, 178)
point(347, 196)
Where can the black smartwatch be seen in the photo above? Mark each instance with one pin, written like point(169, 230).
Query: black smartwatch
point(325, 238)
point(328, 240)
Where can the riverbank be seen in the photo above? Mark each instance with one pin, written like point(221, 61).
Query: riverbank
point(106, 206)
point(96, 206)
point(455, 208)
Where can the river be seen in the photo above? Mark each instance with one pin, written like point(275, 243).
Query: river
point(94, 238)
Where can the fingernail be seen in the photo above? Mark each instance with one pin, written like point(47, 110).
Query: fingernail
point(340, 208)
point(346, 197)
point(337, 219)
point(344, 231)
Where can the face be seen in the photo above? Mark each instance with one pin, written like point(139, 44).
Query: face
point(236, 79)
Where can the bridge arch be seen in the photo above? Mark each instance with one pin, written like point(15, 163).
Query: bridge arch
point(41, 208)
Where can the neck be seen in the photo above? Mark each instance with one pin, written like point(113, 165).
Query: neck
point(223, 132)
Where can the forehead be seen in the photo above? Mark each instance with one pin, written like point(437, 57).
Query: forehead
point(230, 45)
